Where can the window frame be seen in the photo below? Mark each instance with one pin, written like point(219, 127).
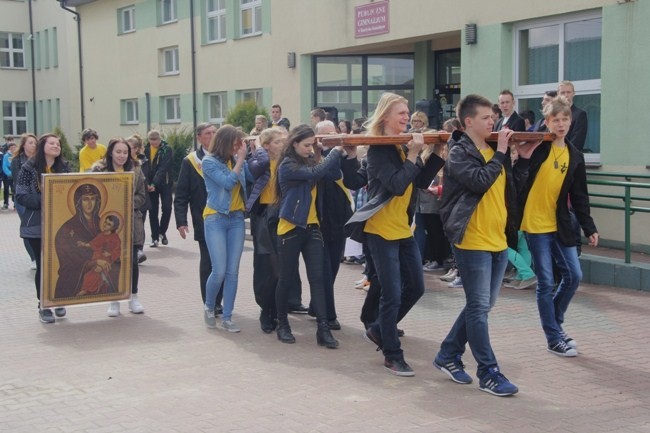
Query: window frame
point(582, 87)
point(254, 6)
point(11, 50)
point(219, 16)
point(175, 61)
point(177, 109)
point(14, 118)
point(125, 107)
point(131, 11)
point(257, 95)
point(223, 103)
point(173, 11)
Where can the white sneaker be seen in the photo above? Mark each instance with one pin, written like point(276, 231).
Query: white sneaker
point(33, 265)
point(113, 309)
point(450, 276)
point(135, 306)
point(228, 325)
point(360, 282)
point(456, 284)
point(433, 267)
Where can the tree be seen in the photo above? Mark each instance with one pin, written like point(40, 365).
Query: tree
point(243, 115)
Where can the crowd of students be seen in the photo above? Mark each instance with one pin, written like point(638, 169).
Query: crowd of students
point(296, 192)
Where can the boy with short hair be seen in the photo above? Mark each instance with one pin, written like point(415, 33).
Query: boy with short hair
point(476, 210)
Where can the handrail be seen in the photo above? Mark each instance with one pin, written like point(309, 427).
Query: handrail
point(627, 198)
point(626, 176)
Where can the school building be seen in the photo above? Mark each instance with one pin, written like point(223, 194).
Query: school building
point(170, 63)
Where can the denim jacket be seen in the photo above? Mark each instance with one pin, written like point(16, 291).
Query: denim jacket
point(219, 182)
point(297, 180)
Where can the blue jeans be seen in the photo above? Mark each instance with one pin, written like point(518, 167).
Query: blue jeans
point(224, 235)
point(546, 250)
point(399, 270)
point(482, 273)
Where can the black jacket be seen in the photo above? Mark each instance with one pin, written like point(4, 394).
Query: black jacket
point(577, 134)
point(466, 178)
point(515, 122)
point(389, 176)
point(190, 190)
point(574, 188)
point(160, 169)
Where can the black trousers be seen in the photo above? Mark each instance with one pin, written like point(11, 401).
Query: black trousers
point(135, 269)
point(266, 266)
point(309, 243)
point(160, 199)
point(205, 269)
point(334, 249)
point(35, 243)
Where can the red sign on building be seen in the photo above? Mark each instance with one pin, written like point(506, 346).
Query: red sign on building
point(371, 19)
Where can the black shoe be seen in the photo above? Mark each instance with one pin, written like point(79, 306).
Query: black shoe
point(60, 312)
point(141, 256)
point(266, 322)
point(164, 239)
point(46, 316)
point(400, 332)
point(285, 335)
point(298, 309)
point(334, 325)
point(371, 337)
point(324, 336)
point(398, 367)
point(218, 310)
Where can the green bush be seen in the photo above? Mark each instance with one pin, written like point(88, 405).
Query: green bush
point(243, 115)
point(70, 155)
point(181, 141)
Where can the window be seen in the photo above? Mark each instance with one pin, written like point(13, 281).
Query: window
point(169, 61)
point(217, 108)
point(14, 117)
point(167, 11)
point(251, 95)
point(12, 50)
point(250, 22)
point(46, 49)
point(126, 18)
point(172, 109)
point(353, 84)
point(565, 48)
point(130, 111)
point(216, 20)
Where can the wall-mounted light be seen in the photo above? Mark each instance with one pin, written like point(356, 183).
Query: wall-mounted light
point(470, 34)
point(291, 60)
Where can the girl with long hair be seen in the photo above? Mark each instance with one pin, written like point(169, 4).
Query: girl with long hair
point(26, 149)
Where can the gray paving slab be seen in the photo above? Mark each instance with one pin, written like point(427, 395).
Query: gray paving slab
point(163, 371)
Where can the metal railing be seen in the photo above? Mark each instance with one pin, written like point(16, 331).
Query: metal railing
point(629, 205)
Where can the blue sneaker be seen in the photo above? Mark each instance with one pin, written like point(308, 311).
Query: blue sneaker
point(494, 382)
point(455, 369)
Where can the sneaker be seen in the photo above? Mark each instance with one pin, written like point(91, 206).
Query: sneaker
point(370, 336)
point(60, 312)
point(113, 309)
point(433, 267)
point(135, 306)
point(455, 369)
point(359, 282)
point(510, 275)
point(494, 382)
point(521, 284)
point(218, 310)
point(398, 367)
point(229, 325)
point(457, 283)
point(33, 265)
point(210, 318)
point(46, 316)
point(450, 275)
point(5, 206)
point(142, 257)
point(569, 341)
point(154, 243)
point(365, 285)
point(164, 239)
point(561, 348)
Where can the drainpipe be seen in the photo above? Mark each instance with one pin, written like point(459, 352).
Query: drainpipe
point(193, 56)
point(147, 98)
point(81, 74)
point(33, 57)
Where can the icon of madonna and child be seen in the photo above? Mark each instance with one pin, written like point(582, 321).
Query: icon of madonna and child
point(89, 248)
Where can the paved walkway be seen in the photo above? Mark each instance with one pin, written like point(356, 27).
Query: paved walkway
point(165, 372)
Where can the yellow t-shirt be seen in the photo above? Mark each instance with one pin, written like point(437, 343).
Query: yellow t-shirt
point(486, 230)
point(267, 196)
point(285, 226)
point(541, 204)
point(391, 222)
point(88, 156)
point(154, 151)
point(236, 201)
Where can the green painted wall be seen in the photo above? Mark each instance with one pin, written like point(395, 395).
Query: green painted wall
point(306, 92)
point(625, 84)
point(486, 67)
point(424, 80)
